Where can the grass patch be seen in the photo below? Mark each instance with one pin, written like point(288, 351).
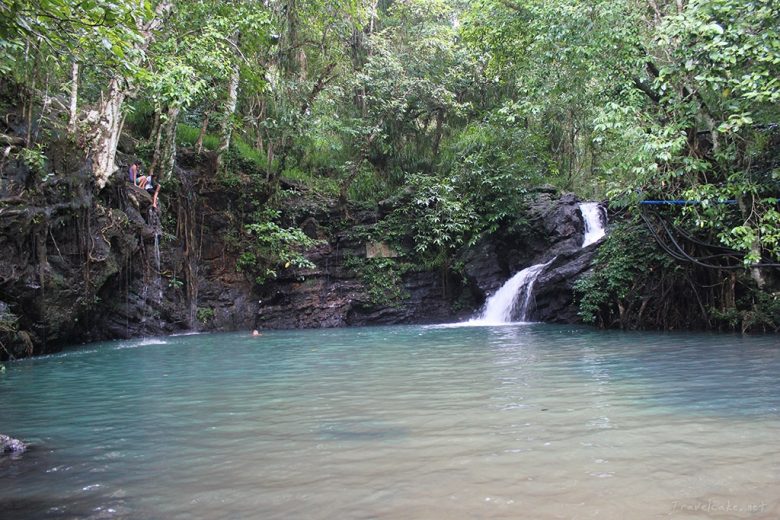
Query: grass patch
point(323, 185)
point(187, 135)
point(244, 155)
point(249, 153)
point(369, 188)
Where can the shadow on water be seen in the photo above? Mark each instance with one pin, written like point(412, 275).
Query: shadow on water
point(695, 374)
point(360, 431)
point(54, 496)
point(48, 507)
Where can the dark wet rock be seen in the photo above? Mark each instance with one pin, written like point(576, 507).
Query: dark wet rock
point(554, 289)
point(560, 222)
point(126, 144)
point(483, 268)
point(332, 295)
point(11, 445)
point(70, 259)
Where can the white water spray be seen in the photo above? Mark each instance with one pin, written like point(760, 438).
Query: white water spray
point(153, 277)
point(594, 219)
point(517, 291)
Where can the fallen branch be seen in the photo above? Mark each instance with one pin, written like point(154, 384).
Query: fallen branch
point(11, 140)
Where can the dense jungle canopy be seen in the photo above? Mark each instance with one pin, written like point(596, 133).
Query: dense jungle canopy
point(459, 108)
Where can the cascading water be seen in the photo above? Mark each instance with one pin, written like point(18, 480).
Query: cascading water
point(157, 276)
point(500, 307)
point(153, 280)
point(594, 220)
point(515, 296)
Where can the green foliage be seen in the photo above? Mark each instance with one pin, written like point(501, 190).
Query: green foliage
point(204, 315)
point(440, 219)
point(560, 61)
point(492, 167)
point(368, 187)
point(270, 248)
point(671, 101)
point(34, 158)
point(103, 30)
point(709, 134)
point(9, 331)
point(175, 83)
point(757, 311)
point(9, 322)
point(175, 283)
point(627, 264)
point(382, 277)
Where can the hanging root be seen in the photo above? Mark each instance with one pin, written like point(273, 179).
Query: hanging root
point(10, 356)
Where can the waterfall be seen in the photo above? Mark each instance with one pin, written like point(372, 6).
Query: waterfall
point(158, 276)
point(154, 221)
point(514, 297)
point(594, 219)
point(153, 277)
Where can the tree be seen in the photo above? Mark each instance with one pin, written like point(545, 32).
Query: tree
point(106, 119)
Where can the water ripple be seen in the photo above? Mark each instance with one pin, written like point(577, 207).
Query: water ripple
point(518, 421)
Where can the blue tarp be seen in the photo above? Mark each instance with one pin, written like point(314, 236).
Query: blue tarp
point(681, 202)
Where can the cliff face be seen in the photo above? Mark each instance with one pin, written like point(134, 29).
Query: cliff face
point(60, 247)
point(79, 267)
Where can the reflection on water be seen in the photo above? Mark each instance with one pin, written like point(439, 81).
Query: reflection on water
point(525, 421)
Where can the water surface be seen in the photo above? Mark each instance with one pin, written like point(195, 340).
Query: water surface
point(521, 421)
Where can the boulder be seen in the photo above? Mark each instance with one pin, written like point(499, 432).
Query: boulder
point(554, 289)
point(11, 445)
point(482, 267)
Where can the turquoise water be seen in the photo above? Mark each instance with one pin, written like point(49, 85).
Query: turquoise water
point(524, 421)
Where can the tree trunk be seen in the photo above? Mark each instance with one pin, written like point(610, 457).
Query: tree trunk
point(74, 96)
point(168, 149)
point(203, 128)
point(289, 63)
point(157, 137)
point(106, 121)
point(437, 134)
point(29, 114)
point(155, 123)
point(227, 115)
point(746, 207)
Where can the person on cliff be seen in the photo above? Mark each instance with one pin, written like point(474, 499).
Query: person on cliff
point(133, 172)
point(154, 195)
point(152, 188)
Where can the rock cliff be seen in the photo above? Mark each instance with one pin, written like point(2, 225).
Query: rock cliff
point(79, 267)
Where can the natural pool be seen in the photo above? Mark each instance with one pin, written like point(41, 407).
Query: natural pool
point(521, 421)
